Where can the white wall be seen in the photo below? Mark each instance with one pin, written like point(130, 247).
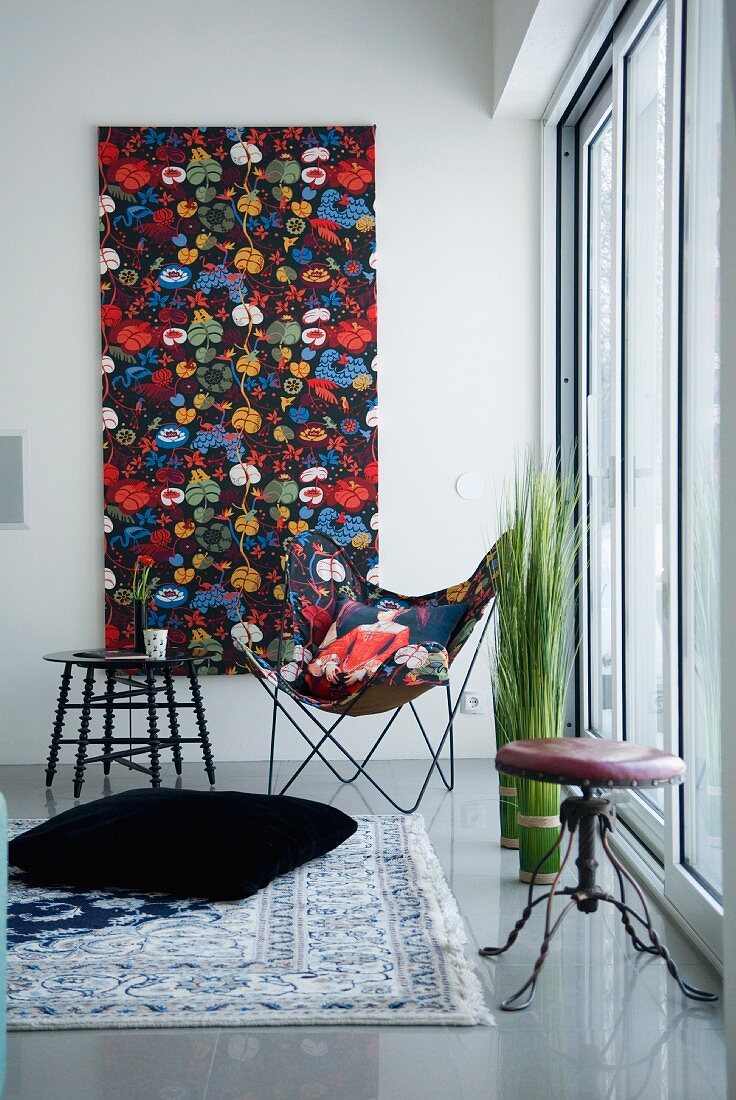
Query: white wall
point(459, 249)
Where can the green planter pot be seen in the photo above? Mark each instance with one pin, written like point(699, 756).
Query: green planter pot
point(507, 810)
point(538, 822)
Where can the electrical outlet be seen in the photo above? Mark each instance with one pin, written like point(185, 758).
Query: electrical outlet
point(474, 702)
point(474, 815)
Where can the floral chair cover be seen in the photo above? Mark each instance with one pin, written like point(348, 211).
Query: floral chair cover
point(319, 574)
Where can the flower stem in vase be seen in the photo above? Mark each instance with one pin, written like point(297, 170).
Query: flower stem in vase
point(140, 620)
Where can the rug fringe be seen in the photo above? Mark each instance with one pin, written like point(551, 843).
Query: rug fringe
point(448, 922)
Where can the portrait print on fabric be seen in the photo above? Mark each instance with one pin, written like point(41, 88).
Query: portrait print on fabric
point(238, 314)
point(384, 638)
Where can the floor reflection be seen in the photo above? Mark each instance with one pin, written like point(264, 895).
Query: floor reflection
point(605, 1022)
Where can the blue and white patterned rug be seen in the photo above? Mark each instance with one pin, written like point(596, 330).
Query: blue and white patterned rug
point(369, 934)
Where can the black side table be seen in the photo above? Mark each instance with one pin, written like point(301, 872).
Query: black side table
point(141, 676)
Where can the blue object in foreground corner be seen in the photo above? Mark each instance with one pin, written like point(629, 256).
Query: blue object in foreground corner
point(3, 936)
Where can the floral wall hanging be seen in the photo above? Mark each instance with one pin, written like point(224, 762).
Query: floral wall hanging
point(238, 365)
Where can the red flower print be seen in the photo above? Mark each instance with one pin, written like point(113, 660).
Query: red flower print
point(354, 336)
point(353, 176)
point(352, 493)
point(130, 496)
point(171, 154)
point(134, 336)
point(170, 316)
point(132, 175)
point(111, 316)
point(107, 152)
point(170, 477)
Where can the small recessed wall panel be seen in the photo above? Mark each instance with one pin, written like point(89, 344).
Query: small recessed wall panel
point(13, 461)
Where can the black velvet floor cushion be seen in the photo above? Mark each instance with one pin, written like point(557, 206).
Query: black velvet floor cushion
point(208, 844)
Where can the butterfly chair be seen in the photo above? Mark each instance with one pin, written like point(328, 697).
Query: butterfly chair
point(379, 666)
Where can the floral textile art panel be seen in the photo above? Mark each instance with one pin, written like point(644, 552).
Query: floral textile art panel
point(239, 370)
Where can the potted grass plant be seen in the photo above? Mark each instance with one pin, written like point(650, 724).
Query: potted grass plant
point(503, 722)
point(534, 648)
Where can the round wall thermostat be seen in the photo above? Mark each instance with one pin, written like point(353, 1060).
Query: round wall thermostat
point(469, 486)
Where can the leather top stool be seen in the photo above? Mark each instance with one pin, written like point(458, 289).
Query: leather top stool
point(594, 765)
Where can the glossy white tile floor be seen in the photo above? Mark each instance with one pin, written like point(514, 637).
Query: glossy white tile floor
point(605, 1023)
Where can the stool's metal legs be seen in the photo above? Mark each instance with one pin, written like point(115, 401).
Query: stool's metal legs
point(109, 718)
point(581, 815)
point(66, 678)
point(631, 932)
point(209, 764)
point(89, 683)
point(173, 719)
point(510, 1004)
point(489, 952)
point(657, 947)
point(153, 727)
point(492, 952)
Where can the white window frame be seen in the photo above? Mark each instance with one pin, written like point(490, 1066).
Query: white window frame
point(594, 118)
point(610, 36)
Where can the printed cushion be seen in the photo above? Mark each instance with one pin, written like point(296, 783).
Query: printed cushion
point(218, 845)
point(385, 642)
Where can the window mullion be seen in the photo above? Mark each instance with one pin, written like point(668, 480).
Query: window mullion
point(671, 392)
point(617, 396)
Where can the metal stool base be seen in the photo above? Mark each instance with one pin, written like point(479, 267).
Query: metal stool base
point(591, 818)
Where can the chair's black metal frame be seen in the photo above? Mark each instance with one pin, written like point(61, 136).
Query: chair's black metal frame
point(327, 732)
point(589, 817)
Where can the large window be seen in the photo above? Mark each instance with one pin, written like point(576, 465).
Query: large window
point(645, 98)
point(642, 208)
point(599, 232)
point(700, 577)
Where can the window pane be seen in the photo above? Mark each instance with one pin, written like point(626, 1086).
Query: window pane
point(643, 371)
point(599, 430)
point(700, 467)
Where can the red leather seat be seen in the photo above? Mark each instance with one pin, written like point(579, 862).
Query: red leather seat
point(589, 762)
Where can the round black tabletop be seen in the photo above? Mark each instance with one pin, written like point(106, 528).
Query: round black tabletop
point(90, 658)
